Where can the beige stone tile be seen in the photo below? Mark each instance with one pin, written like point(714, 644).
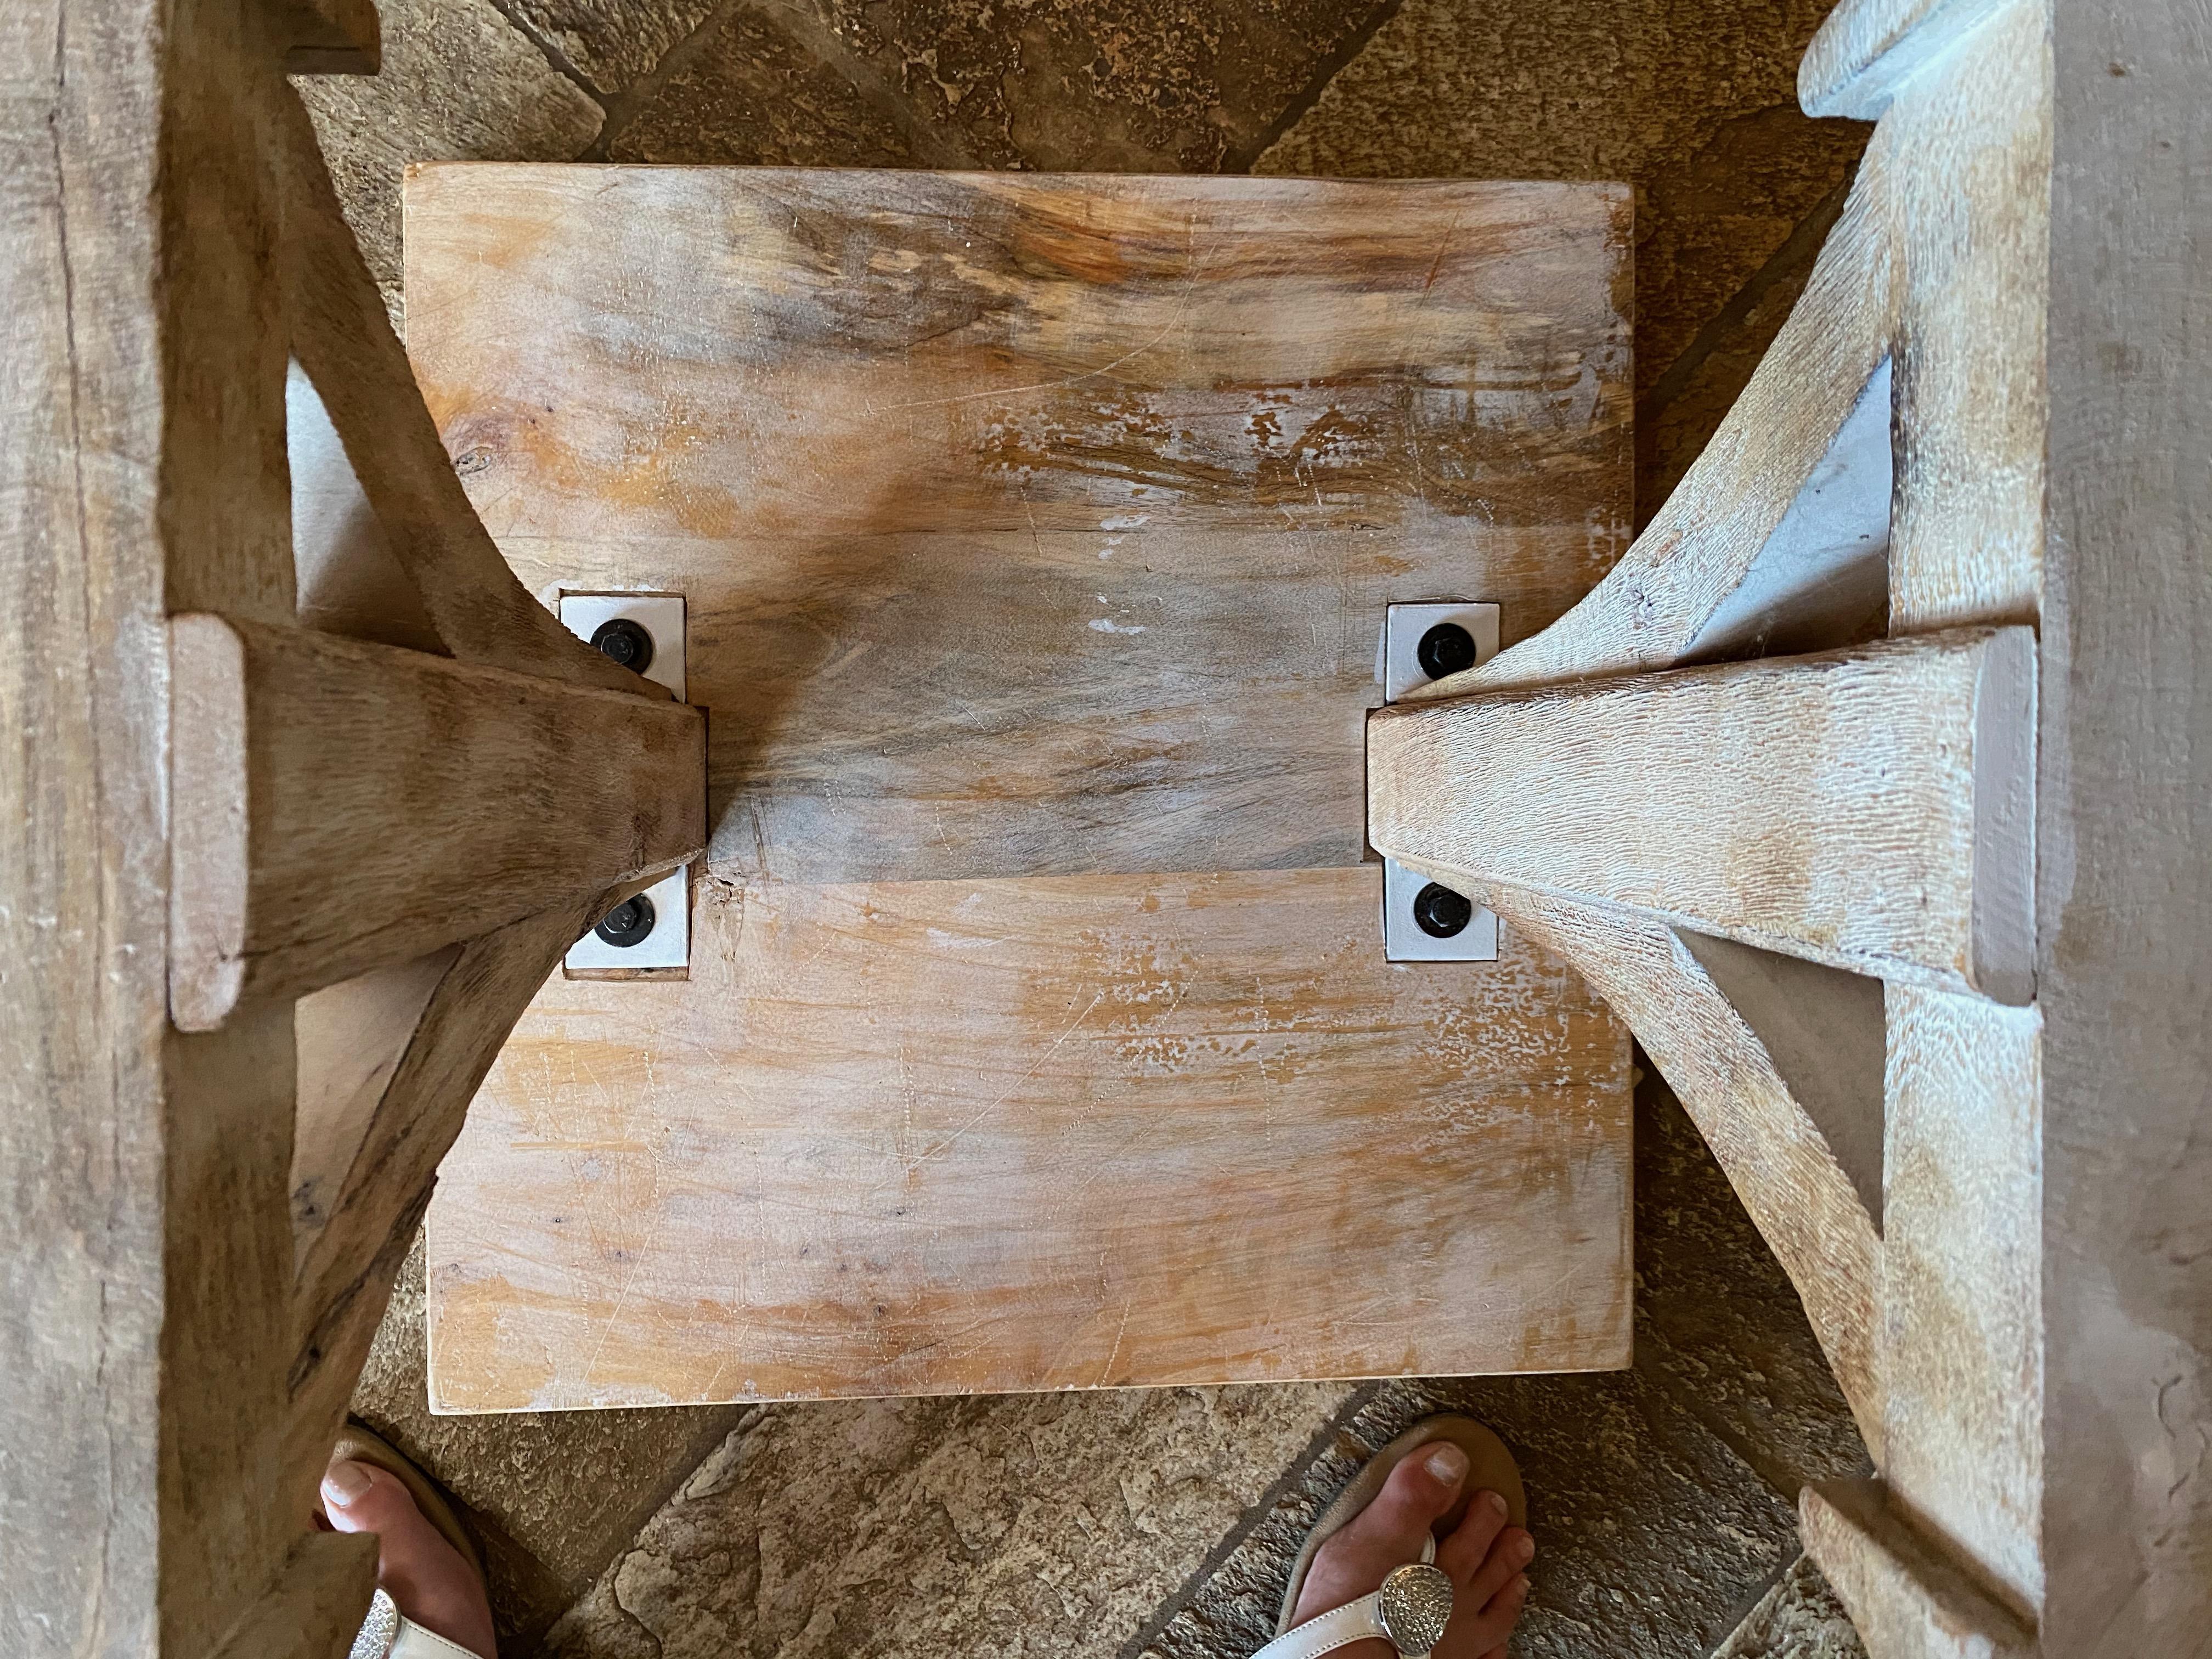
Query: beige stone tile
point(612, 43)
point(1090, 85)
point(753, 92)
point(991, 1527)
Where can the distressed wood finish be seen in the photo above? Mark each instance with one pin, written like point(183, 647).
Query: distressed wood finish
point(2022, 247)
point(1865, 808)
point(983, 492)
point(179, 1351)
point(342, 806)
point(948, 1136)
point(1031, 525)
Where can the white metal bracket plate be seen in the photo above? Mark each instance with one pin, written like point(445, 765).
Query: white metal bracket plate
point(667, 945)
point(1405, 629)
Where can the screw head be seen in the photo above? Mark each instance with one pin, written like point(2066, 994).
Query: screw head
point(629, 923)
point(1440, 913)
point(625, 642)
point(1445, 649)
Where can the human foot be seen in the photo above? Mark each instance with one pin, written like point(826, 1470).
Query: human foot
point(1481, 1555)
point(430, 1581)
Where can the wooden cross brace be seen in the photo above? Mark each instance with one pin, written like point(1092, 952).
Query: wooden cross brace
point(1894, 908)
point(1904, 895)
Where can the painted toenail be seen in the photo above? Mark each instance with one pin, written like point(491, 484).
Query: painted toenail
point(1448, 1464)
point(1495, 1501)
point(343, 1483)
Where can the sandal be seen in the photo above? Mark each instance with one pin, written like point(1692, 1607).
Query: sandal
point(1413, 1606)
point(387, 1633)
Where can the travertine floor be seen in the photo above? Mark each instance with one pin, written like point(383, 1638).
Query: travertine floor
point(1161, 1521)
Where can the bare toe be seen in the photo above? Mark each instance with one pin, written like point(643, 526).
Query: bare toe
point(426, 1578)
point(1386, 1533)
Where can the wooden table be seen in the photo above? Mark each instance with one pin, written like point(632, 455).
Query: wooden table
point(1035, 534)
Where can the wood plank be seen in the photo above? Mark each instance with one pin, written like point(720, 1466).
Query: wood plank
point(1798, 1192)
point(1907, 1597)
point(341, 805)
point(2125, 806)
point(1962, 1310)
point(984, 492)
point(82, 1094)
point(1866, 808)
point(920, 1137)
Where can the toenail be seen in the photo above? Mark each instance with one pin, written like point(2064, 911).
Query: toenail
point(1448, 1464)
point(1495, 1501)
point(343, 1483)
point(1525, 1550)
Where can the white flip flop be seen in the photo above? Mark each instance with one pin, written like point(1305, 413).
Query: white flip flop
point(1414, 1605)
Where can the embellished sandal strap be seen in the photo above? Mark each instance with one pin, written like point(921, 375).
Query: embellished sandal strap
point(1368, 1618)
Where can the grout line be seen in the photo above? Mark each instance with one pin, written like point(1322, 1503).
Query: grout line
point(1798, 251)
point(1745, 1608)
point(551, 53)
point(802, 25)
point(1200, 1577)
point(1244, 157)
point(623, 106)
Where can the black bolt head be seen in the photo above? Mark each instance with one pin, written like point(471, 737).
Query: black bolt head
point(1440, 913)
point(631, 922)
point(1445, 649)
point(623, 641)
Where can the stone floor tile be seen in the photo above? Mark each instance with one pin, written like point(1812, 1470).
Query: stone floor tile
point(753, 92)
point(1799, 1618)
point(611, 44)
point(552, 1495)
point(1694, 101)
point(1075, 85)
point(1025, 1525)
point(459, 83)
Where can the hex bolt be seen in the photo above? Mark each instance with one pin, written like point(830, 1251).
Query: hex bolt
point(1439, 912)
point(1445, 649)
point(631, 922)
point(623, 641)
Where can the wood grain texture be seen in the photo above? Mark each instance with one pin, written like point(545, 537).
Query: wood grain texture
point(344, 1277)
point(1905, 1595)
point(1031, 525)
point(341, 337)
point(1866, 50)
point(82, 857)
point(342, 805)
point(1797, 1191)
point(920, 1137)
point(1962, 1316)
point(1705, 539)
point(2126, 803)
point(1837, 807)
point(1972, 221)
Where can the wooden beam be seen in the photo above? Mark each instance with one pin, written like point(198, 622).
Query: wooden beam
point(1868, 808)
point(345, 1275)
point(339, 805)
point(1796, 1190)
point(2125, 818)
point(342, 338)
point(1906, 1594)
